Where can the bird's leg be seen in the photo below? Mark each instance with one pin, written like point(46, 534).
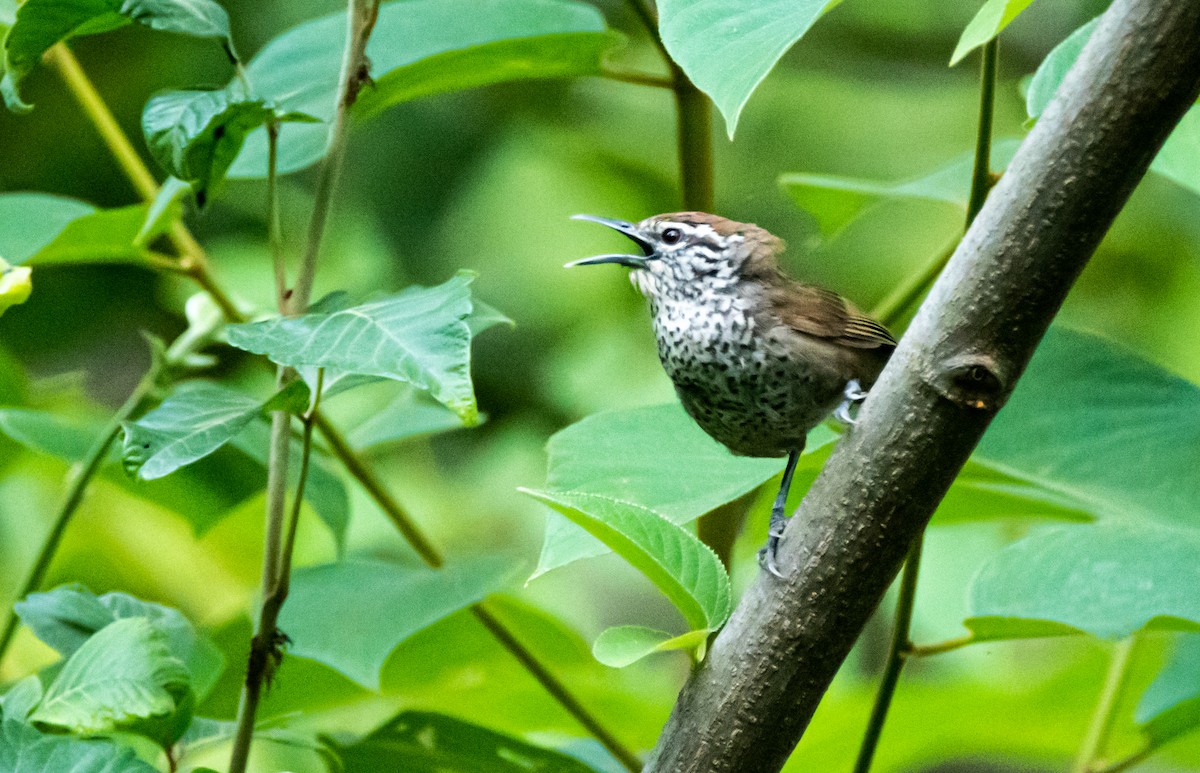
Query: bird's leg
point(851, 396)
point(766, 556)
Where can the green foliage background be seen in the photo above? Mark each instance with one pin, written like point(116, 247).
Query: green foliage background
point(485, 180)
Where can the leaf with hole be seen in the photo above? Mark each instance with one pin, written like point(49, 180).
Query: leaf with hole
point(686, 570)
point(424, 742)
point(39, 24)
point(420, 336)
point(124, 677)
point(24, 750)
point(383, 603)
point(993, 17)
point(419, 48)
point(1108, 579)
point(66, 617)
point(196, 420)
point(727, 47)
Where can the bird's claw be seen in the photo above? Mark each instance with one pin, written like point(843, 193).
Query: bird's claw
point(852, 395)
point(766, 557)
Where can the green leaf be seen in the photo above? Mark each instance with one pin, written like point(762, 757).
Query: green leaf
point(625, 645)
point(418, 48)
point(15, 285)
point(24, 750)
point(1109, 580)
point(675, 560)
point(47, 433)
point(123, 678)
point(658, 458)
point(984, 490)
point(419, 336)
point(423, 742)
point(383, 604)
point(1053, 69)
point(197, 419)
point(727, 47)
point(196, 135)
point(835, 201)
point(1170, 707)
point(66, 617)
point(1094, 422)
point(30, 221)
point(409, 416)
point(104, 236)
point(39, 24)
point(993, 17)
point(164, 210)
point(21, 699)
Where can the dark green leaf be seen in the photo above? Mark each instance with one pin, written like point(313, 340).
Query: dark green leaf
point(383, 604)
point(1170, 706)
point(1094, 422)
point(727, 47)
point(196, 135)
point(24, 750)
point(422, 742)
point(122, 678)
point(197, 419)
point(418, 48)
point(675, 560)
point(105, 236)
point(419, 336)
point(30, 221)
point(1106, 579)
point(67, 616)
point(39, 24)
point(993, 17)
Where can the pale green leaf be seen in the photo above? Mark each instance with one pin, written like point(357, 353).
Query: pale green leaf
point(24, 750)
point(424, 742)
point(418, 48)
point(409, 416)
point(993, 17)
point(30, 221)
point(21, 699)
point(419, 336)
point(727, 47)
point(383, 604)
point(67, 616)
point(685, 569)
point(1109, 579)
point(1053, 69)
point(625, 645)
point(49, 434)
point(16, 284)
point(122, 678)
point(164, 210)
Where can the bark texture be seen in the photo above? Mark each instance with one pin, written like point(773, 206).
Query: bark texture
point(747, 706)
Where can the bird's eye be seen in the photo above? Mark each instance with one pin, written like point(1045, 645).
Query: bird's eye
point(672, 236)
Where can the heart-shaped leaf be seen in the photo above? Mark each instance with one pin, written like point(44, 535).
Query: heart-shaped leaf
point(727, 47)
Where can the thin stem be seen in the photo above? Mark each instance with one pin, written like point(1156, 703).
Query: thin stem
point(638, 78)
point(904, 295)
point(1131, 761)
point(1105, 714)
point(646, 16)
point(274, 227)
point(556, 688)
point(938, 648)
point(81, 476)
point(694, 142)
point(900, 645)
point(195, 264)
point(901, 641)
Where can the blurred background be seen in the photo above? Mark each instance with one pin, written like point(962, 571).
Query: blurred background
point(486, 180)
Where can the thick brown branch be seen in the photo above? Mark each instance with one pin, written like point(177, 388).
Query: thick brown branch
point(747, 706)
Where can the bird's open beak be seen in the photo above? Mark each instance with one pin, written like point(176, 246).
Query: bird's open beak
point(627, 228)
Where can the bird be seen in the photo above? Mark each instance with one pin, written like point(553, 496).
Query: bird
point(757, 358)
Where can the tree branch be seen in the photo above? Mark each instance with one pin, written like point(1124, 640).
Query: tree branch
point(749, 703)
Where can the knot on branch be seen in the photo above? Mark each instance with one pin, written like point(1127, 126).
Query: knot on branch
point(974, 381)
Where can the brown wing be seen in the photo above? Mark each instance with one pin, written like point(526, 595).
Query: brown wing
point(818, 312)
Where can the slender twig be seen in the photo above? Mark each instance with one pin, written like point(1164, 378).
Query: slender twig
point(638, 78)
point(1105, 714)
point(900, 645)
point(891, 309)
point(194, 263)
point(938, 648)
point(906, 597)
point(274, 227)
point(80, 477)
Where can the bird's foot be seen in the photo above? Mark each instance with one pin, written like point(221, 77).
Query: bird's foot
point(768, 554)
point(851, 396)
